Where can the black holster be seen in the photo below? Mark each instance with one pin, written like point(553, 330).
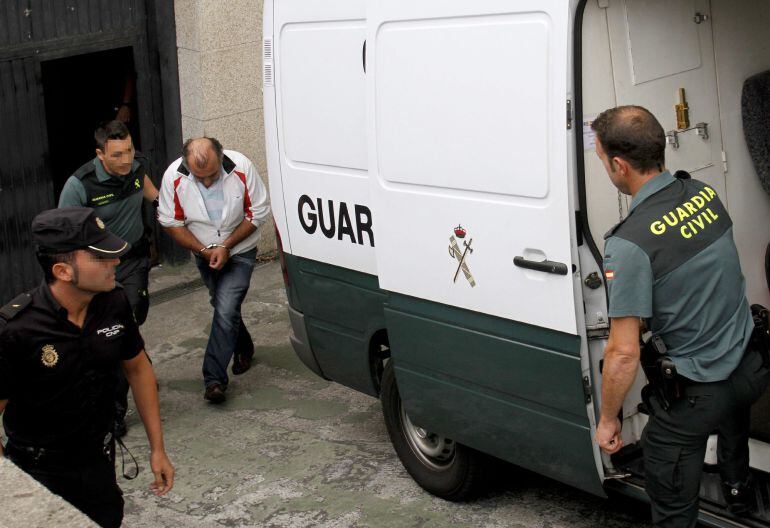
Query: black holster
point(664, 383)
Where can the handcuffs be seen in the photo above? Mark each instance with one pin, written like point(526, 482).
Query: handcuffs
point(212, 246)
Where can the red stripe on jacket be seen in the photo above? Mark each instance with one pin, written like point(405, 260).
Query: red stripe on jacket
point(246, 197)
point(178, 210)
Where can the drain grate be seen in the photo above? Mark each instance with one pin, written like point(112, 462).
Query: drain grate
point(176, 291)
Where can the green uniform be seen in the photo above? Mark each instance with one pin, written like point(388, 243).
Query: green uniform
point(116, 199)
point(673, 262)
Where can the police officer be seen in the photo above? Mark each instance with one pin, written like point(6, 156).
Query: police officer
point(673, 264)
point(59, 347)
point(114, 183)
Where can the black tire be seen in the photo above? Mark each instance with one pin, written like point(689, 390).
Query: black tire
point(458, 477)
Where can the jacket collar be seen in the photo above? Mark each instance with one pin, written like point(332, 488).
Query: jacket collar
point(227, 164)
point(662, 180)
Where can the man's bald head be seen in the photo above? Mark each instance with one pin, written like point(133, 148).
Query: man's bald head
point(633, 134)
point(201, 154)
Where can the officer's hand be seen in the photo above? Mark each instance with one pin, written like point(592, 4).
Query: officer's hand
point(608, 435)
point(219, 257)
point(163, 471)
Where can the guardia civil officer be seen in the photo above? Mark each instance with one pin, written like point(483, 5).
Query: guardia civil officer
point(672, 264)
point(113, 184)
point(59, 347)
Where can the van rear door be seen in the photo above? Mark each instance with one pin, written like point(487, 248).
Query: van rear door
point(471, 186)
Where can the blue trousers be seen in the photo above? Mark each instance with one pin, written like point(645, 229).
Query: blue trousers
point(227, 290)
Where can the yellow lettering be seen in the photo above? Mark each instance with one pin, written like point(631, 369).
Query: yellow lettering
point(690, 208)
point(674, 220)
point(706, 196)
point(710, 191)
point(682, 213)
point(658, 227)
point(708, 219)
point(697, 200)
point(711, 213)
point(699, 222)
point(684, 232)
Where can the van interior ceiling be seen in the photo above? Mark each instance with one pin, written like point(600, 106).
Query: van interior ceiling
point(714, 58)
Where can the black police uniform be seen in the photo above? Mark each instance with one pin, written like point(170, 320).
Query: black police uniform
point(673, 262)
point(59, 379)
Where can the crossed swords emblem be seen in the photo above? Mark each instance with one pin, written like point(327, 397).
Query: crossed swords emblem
point(460, 255)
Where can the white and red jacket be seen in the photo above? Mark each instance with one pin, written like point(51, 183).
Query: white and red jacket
point(181, 203)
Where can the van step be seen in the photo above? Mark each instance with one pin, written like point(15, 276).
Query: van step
point(712, 500)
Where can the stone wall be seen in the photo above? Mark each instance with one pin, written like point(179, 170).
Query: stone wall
point(220, 79)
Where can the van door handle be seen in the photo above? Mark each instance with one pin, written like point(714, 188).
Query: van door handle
point(546, 266)
point(363, 56)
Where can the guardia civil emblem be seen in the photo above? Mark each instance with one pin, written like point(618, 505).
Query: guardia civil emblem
point(99, 223)
point(461, 256)
point(50, 356)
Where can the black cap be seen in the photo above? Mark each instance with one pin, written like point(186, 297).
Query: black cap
point(70, 228)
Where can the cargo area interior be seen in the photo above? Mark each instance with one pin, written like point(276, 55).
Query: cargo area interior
point(713, 56)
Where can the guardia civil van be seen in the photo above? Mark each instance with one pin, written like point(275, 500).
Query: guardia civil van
point(441, 210)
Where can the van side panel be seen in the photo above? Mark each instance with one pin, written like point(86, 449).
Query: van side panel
point(509, 389)
point(342, 309)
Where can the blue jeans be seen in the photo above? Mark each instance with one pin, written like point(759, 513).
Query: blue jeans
point(227, 290)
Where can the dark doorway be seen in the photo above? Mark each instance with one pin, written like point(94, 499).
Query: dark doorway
point(65, 67)
point(81, 92)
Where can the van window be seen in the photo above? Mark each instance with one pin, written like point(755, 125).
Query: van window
point(438, 80)
point(323, 93)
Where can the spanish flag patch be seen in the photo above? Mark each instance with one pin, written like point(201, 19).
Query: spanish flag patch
point(609, 274)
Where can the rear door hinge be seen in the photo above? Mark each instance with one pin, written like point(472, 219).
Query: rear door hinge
point(724, 162)
point(587, 389)
point(569, 114)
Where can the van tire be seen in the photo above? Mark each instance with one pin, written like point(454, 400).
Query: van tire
point(457, 479)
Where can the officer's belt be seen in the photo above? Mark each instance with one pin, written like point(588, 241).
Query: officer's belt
point(697, 388)
point(68, 455)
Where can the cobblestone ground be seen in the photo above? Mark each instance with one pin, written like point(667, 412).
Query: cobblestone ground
point(289, 449)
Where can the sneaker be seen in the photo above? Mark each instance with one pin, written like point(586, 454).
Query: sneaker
point(214, 393)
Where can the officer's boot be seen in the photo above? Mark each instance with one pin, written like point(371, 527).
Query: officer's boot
point(739, 496)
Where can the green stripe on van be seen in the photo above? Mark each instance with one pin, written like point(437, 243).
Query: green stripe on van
point(506, 388)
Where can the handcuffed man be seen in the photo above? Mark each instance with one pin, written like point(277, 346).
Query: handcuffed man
point(211, 202)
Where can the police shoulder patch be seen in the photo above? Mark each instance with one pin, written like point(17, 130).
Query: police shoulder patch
point(16, 306)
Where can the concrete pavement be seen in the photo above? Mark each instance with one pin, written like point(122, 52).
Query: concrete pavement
point(289, 449)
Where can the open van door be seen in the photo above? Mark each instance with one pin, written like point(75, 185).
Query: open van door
point(471, 177)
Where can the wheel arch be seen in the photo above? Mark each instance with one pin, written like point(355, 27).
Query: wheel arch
point(379, 351)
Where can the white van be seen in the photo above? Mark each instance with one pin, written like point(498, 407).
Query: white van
point(441, 210)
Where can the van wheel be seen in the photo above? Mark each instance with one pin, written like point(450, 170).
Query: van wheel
point(439, 465)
